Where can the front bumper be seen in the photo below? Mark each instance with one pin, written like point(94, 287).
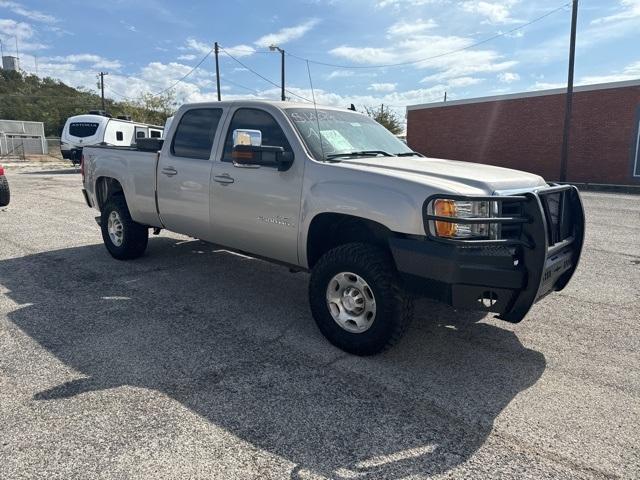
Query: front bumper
point(506, 276)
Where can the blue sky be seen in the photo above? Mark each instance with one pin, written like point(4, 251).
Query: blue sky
point(147, 45)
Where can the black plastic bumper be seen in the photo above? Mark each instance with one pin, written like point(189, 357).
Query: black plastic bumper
point(538, 255)
point(75, 154)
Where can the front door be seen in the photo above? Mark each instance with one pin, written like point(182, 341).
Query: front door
point(256, 209)
point(184, 172)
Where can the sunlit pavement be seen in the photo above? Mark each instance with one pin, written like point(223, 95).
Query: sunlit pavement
point(196, 363)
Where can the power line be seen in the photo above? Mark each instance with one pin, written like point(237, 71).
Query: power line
point(185, 76)
point(241, 86)
point(440, 55)
point(262, 76)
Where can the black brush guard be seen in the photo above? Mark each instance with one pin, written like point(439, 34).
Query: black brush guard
point(541, 238)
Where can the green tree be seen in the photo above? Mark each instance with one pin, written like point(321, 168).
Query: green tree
point(30, 98)
point(386, 118)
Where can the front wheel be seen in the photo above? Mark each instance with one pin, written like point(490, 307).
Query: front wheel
point(356, 299)
point(124, 238)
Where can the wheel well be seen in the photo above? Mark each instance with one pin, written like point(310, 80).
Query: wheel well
point(105, 188)
point(330, 230)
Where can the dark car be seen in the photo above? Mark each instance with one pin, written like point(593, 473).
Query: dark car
point(5, 196)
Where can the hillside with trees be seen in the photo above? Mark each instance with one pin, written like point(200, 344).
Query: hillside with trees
point(31, 98)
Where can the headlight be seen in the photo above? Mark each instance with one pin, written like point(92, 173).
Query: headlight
point(463, 210)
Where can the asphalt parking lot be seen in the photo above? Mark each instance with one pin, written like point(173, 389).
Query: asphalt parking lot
point(196, 363)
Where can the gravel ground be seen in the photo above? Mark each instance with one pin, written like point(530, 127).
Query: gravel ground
point(196, 363)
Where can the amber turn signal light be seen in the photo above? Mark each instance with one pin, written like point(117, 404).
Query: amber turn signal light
point(445, 208)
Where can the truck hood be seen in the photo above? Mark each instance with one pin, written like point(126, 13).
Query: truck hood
point(487, 178)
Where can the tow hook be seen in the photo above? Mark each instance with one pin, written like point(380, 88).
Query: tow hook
point(156, 231)
point(99, 220)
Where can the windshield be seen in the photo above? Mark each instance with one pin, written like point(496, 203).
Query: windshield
point(343, 133)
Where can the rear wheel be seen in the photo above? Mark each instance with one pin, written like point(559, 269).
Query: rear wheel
point(356, 299)
point(124, 238)
point(5, 195)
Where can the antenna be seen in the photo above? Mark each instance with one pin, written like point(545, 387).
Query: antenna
point(315, 107)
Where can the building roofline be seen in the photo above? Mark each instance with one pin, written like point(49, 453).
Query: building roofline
point(538, 93)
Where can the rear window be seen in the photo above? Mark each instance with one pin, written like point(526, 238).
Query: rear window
point(195, 133)
point(83, 129)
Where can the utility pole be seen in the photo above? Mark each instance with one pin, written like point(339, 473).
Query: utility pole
point(216, 49)
point(445, 96)
point(102, 74)
point(274, 48)
point(569, 101)
point(282, 67)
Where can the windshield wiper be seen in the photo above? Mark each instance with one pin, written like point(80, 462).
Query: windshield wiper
point(361, 153)
point(409, 154)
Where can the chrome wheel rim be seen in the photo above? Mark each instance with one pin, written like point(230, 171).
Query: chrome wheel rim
point(115, 229)
point(351, 302)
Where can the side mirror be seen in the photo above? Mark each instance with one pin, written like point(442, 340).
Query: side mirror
point(243, 136)
point(265, 156)
point(248, 151)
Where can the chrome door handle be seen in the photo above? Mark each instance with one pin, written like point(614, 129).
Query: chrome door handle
point(169, 171)
point(224, 179)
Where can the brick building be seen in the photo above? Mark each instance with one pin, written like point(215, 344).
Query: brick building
point(524, 131)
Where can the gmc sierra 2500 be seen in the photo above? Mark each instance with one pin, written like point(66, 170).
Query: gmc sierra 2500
point(332, 192)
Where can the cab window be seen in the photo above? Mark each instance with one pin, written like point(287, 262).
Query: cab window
point(195, 133)
point(254, 119)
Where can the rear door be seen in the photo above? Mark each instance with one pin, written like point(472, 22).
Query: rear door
point(184, 170)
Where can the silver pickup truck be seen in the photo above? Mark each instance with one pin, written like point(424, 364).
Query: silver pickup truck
point(332, 192)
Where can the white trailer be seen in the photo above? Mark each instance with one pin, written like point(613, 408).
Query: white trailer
point(96, 128)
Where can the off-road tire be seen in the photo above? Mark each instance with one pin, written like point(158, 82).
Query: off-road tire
point(135, 236)
point(5, 194)
point(394, 306)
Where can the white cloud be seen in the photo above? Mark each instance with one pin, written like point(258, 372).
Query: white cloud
point(508, 77)
point(188, 57)
point(404, 28)
point(96, 61)
point(493, 11)
point(10, 29)
point(33, 15)
point(287, 34)
point(547, 85)
point(629, 9)
point(241, 50)
point(630, 72)
point(382, 87)
point(200, 47)
point(464, 81)
point(404, 3)
point(340, 74)
point(128, 26)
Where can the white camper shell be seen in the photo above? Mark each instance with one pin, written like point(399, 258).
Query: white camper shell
point(94, 129)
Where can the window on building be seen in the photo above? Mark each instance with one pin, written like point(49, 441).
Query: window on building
point(253, 119)
point(195, 133)
point(156, 134)
point(140, 134)
point(119, 136)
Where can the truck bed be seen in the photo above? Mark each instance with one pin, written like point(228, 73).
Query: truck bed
point(135, 169)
